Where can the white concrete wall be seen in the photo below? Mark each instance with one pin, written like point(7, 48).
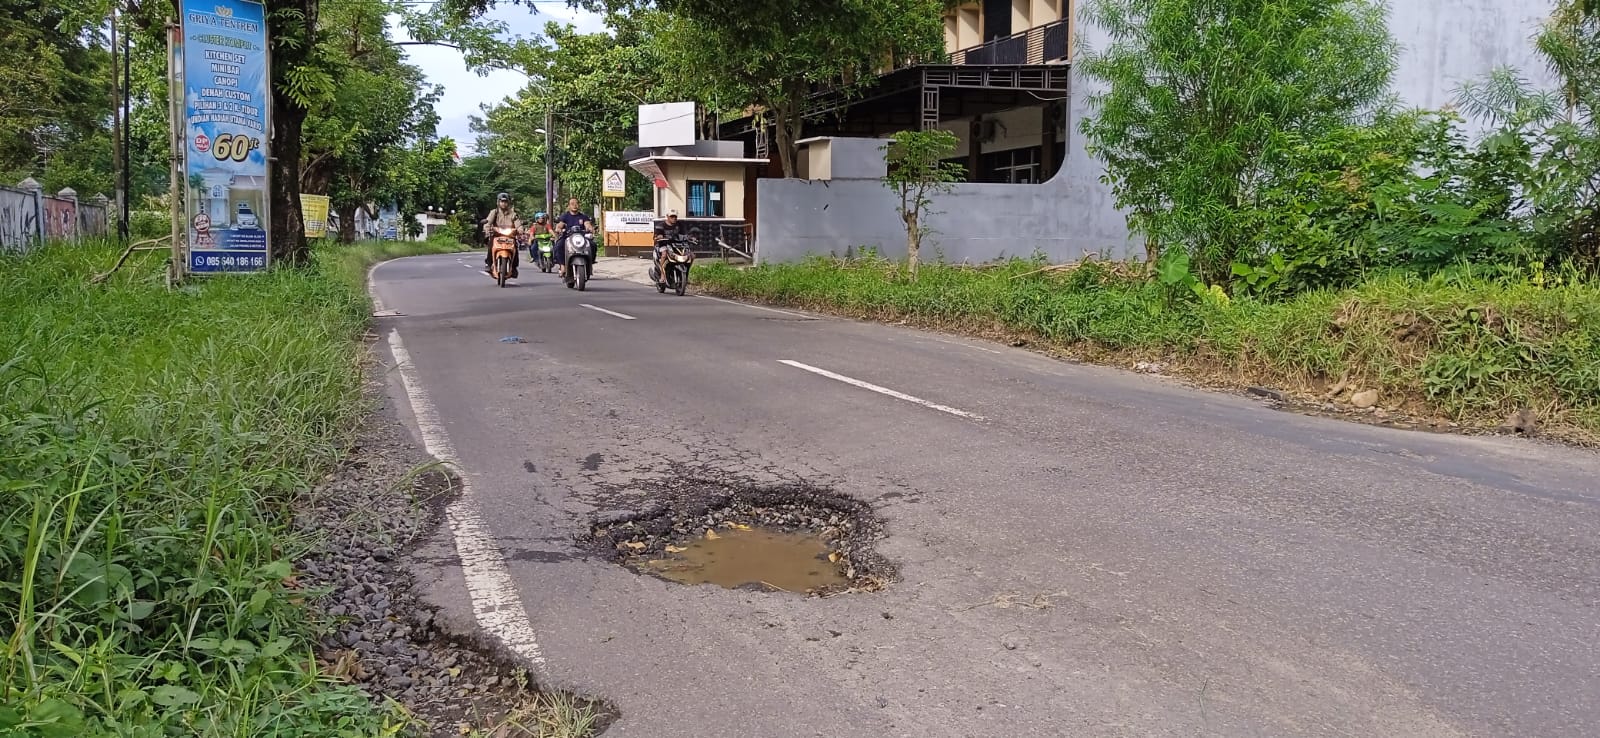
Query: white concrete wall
point(1444, 42)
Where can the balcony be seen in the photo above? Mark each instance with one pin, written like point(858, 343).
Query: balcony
point(1046, 44)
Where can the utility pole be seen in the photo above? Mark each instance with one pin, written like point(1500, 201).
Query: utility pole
point(127, 137)
point(549, 197)
point(117, 124)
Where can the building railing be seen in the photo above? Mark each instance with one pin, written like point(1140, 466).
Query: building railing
point(1039, 45)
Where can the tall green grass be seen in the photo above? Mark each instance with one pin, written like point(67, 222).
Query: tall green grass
point(151, 442)
point(1468, 347)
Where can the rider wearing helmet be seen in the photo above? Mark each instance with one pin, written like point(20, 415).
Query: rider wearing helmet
point(504, 215)
point(540, 226)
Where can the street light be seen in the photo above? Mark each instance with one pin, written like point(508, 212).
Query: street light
point(546, 131)
point(541, 84)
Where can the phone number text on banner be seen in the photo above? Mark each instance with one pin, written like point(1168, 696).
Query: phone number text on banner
point(226, 104)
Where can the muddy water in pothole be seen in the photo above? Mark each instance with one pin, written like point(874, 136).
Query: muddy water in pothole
point(793, 562)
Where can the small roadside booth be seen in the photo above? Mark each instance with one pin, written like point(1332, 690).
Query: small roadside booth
point(704, 182)
point(706, 191)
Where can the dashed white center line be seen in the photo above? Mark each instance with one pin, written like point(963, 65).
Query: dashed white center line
point(609, 312)
point(881, 390)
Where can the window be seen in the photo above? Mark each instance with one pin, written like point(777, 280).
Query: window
point(1016, 166)
point(705, 200)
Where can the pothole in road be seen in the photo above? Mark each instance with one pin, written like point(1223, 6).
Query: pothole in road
point(796, 540)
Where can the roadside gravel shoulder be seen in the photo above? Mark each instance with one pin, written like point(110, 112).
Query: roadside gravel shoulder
point(371, 517)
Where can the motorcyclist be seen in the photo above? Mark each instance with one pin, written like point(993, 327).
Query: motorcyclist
point(540, 226)
point(504, 215)
point(570, 219)
point(665, 234)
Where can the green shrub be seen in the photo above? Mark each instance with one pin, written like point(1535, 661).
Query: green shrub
point(151, 442)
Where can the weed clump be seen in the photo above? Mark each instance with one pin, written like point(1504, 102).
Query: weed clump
point(151, 443)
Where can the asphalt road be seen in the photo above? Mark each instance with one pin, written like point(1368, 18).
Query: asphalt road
point(1084, 551)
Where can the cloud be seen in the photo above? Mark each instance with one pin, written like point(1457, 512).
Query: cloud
point(466, 92)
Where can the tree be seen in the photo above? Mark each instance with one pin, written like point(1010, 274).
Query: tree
point(1200, 94)
point(356, 142)
point(1570, 44)
point(1544, 145)
point(917, 171)
point(592, 85)
point(773, 54)
point(54, 71)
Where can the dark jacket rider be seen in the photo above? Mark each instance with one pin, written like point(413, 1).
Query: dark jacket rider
point(667, 232)
point(564, 225)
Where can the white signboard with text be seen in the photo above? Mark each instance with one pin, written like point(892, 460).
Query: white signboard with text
point(630, 221)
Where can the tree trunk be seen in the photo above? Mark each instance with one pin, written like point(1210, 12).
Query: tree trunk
point(347, 223)
point(786, 148)
point(292, 27)
point(913, 243)
point(288, 223)
point(789, 119)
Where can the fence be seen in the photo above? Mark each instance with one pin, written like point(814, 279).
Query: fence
point(28, 217)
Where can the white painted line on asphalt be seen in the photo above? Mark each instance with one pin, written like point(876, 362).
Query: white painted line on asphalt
point(372, 287)
point(881, 390)
point(968, 345)
point(609, 312)
point(495, 603)
point(759, 307)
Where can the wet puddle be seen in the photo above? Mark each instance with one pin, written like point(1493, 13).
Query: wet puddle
point(738, 557)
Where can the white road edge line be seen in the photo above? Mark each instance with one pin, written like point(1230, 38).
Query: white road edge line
point(609, 312)
point(495, 603)
point(881, 390)
point(372, 287)
point(967, 345)
point(759, 307)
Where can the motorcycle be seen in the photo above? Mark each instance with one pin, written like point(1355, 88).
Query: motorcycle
point(580, 258)
point(678, 258)
point(505, 249)
point(544, 251)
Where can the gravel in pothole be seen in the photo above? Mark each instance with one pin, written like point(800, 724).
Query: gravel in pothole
point(790, 539)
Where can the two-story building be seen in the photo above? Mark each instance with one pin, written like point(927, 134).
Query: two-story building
point(1007, 90)
point(1002, 90)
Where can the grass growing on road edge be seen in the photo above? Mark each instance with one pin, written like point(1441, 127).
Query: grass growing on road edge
point(1472, 349)
point(151, 442)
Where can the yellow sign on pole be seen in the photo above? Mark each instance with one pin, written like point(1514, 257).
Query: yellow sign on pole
point(614, 183)
point(314, 210)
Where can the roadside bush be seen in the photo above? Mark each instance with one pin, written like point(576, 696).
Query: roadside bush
point(145, 224)
point(151, 443)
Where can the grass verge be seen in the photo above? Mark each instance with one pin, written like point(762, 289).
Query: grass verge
point(151, 444)
point(1470, 349)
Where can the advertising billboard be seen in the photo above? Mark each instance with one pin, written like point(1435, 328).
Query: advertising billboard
point(227, 100)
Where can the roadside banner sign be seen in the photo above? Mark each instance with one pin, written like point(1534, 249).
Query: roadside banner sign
point(314, 211)
point(226, 107)
point(630, 221)
point(614, 184)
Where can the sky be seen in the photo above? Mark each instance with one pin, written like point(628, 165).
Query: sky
point(465, 92)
